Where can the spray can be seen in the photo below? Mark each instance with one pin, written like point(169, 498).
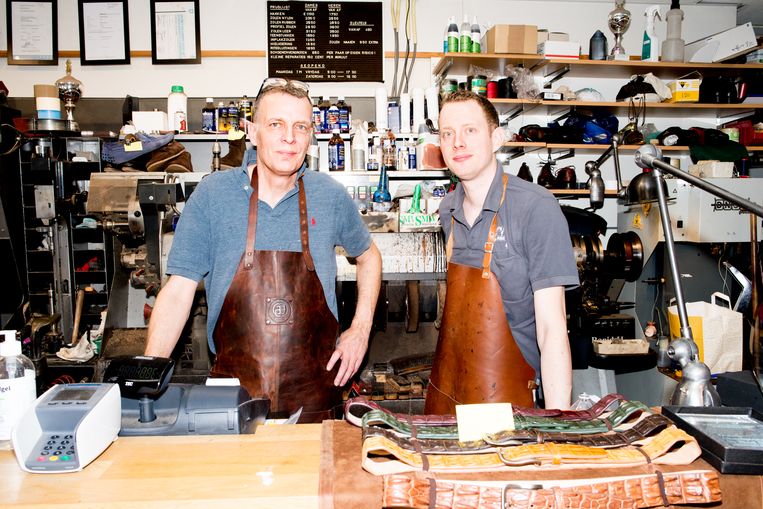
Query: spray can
point(650, 47)
point(476, 37)
point(465, 43)
point(452, 44)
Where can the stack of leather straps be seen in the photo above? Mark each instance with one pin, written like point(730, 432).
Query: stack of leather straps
point(552, 459)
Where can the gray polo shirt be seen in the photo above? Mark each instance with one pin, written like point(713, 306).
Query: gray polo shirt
point(211, 234)
point(532, 253)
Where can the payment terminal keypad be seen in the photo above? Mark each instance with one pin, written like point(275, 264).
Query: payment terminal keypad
point(54, 451)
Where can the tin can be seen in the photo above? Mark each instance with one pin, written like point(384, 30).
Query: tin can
point(479, 85)
point(492, 89)
point(448, 87)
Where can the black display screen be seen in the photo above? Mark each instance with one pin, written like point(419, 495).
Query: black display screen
point(73, 395)
point(325, 41)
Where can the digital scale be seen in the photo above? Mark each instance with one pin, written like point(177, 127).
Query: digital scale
point(67, 427)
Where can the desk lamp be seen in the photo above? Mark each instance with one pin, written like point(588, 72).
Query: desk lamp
point(694, 388)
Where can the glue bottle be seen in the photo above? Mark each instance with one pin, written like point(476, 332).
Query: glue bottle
point(673, 46)
point(177, 109)
point(17, 385)
point(650, 48)
point(465, 44)
point(451, 45)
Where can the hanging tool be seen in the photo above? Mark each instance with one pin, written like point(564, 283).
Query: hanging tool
point(77, 315)
point(395, 12)
point(410, 33)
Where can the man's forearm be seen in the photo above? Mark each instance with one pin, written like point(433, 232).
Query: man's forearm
point(556, 374)
point(368, 276)
point(555, 361)
point(171, 310)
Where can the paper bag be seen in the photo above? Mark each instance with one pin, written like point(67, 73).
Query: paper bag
point(717, 331)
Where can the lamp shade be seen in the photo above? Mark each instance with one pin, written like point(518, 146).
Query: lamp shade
point(643, 188)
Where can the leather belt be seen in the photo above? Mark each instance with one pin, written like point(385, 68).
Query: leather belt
point(647, 426)
point(355, 408)
point(637, 492)
point(404, 426)
point(671, 446)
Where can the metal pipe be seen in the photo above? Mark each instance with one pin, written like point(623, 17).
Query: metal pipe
point(662, 202)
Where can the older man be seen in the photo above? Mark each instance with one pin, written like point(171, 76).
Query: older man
point(262, 237)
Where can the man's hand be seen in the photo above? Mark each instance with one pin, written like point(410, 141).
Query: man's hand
point(351, 348)
point(353, 342)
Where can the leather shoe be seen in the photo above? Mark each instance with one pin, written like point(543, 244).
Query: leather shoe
point(161, 158)
point(180, 164)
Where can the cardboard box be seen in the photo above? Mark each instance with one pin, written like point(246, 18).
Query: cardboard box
point(544, 35)
point(560, 49)
point(512, 39)
point(684, 90)
point(150, 121)
point(723, 45)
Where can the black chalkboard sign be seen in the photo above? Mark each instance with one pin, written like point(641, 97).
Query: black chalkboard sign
point(325, 41)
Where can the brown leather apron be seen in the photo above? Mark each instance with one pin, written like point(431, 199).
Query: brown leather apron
point(477, 359)
point(276, 332)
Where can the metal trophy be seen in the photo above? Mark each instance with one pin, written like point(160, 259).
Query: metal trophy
point(69, 90)
point(619, 20)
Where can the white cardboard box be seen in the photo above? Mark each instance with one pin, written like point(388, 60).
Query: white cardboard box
point(559, 49)
point(150, 121)
point(723, 45)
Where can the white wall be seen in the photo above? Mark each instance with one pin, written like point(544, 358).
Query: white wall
point(241, 25)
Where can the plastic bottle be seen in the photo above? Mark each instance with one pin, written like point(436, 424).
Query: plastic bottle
point(389, 151)
point(476, 37)
point(597, 46)
point(317, 118)
point(177, 109)
point(650, 47)
point(673, 45)
point(324, 106)
point(333, 117)
point(216, 156)
point(209, 117)
point(345, 115)
point(374, 152)
point(245, 111)
point(465, 43)
point(336, 152)
point(232, 116)
point(452, 35)
point(17, 385)
point(382, 199)
point(222, 117)
point(312, 159)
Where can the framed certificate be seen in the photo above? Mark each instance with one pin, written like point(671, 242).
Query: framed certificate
point(104, 35)
point(32, 32)
point(175, 32)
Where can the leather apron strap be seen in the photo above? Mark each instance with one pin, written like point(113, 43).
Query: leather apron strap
point(491, 236)
point(251, 229)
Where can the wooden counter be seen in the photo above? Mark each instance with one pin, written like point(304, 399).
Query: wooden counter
point(277, 467)
point(283, 467)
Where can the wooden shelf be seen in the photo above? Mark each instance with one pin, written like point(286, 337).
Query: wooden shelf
point(527, 60)
point(601, 147)
point(623, 104)
point(655, 65)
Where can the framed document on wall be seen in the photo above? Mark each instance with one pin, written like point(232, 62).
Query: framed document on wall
point(175, 32)
point(104, 35)
point(32, 32)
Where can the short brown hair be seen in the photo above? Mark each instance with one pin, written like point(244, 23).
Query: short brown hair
point(491, 115)
point(287, 89)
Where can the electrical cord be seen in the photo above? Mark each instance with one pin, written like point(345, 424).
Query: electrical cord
point(395, 12)
point(415, 44)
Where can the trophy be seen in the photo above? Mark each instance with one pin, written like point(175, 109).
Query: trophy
point(69, 90)
point(619, 20)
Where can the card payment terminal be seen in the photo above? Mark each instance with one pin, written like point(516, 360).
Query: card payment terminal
point(67, 427)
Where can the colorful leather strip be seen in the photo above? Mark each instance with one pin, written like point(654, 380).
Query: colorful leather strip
point(355, 408)
point(671, 446)
point(635, 492)
point(646, 427)
point(626, 410)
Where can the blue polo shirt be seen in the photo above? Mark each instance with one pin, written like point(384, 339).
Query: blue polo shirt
point(211, 233)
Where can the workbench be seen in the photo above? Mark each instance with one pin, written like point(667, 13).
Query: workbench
point(287, 466)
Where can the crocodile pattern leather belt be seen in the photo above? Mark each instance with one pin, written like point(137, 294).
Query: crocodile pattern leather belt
point(671, 446)
point(646, 427)
point(633, 492)
point(355, 408)
point(403, 426)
